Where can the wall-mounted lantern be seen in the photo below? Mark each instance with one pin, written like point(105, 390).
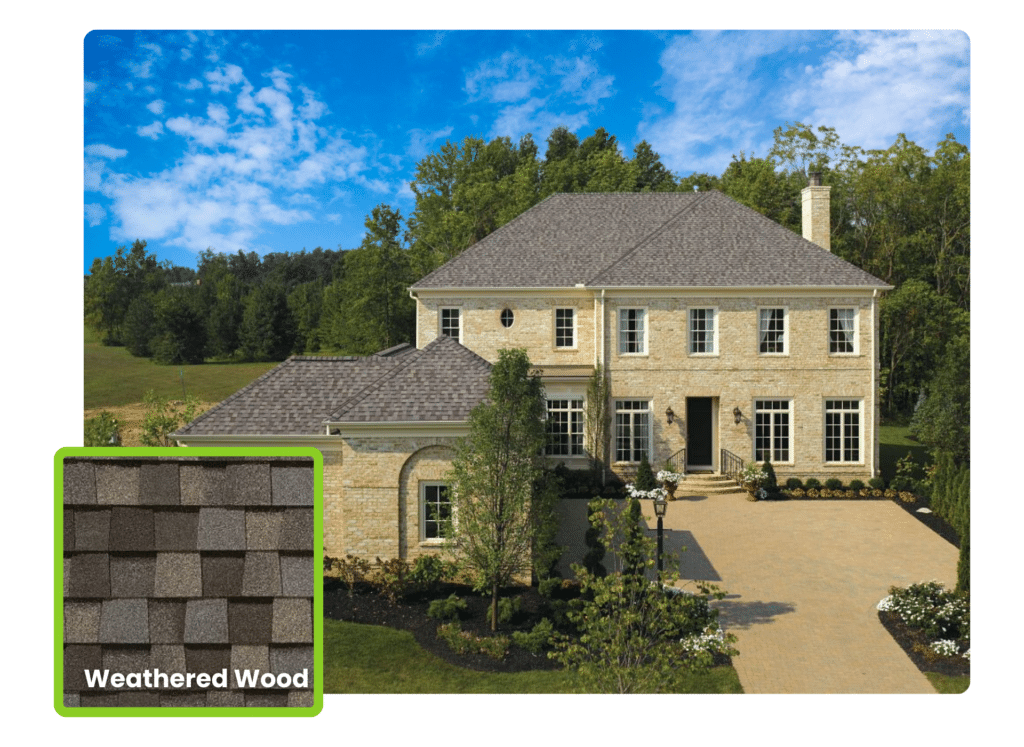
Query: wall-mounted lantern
point(670, 415)
point(737, 414)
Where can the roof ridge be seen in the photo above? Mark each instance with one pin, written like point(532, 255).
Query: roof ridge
point(275, 370)
point(402, 362)
point(636, 247)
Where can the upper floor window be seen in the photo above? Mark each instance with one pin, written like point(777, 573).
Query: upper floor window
point(436, 510)
point(507, 318)
point(565, 427)
point(703, 332)
point(632, 430)
point(842, 330)
point(842, 430)
point(772, 331)
point(565, 328)
point(632, 331)
point(451, 323)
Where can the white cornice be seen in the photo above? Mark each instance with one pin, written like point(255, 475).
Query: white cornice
point(614, 291)
point(319, 441)
point(416, 428)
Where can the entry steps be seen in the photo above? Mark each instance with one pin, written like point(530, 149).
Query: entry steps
point(706, 483)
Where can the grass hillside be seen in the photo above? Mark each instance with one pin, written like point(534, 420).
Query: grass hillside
point(114, 378)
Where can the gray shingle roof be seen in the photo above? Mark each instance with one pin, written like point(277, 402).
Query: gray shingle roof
point(671, 239)
point(441, 382)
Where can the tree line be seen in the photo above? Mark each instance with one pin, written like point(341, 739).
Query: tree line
point(899, 213)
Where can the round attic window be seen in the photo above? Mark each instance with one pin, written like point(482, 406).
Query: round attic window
point(507, 317)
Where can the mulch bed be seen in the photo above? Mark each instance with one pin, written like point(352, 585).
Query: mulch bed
point(410, 613)
point(907, 637)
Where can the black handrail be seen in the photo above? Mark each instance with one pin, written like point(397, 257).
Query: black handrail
point(677, 462)
point(732, 466)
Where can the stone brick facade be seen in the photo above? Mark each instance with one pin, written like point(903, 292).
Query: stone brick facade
point(666, 374)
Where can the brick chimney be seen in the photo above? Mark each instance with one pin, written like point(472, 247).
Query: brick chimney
point(816, 218)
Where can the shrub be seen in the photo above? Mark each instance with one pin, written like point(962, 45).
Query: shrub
point(102, 431)
point(812, 483)
point(451, 608)
point(771, 483)
point(857, 485)
point(391, 578)
point(877, 483)
point(549, 586)
point(794, 483)
point(463, 643)
point(351, 570)
point(798, 493)
point(537, 639)
point(508, 608)
point(812, 493)
point(645, 476)
point(428, 571)
point(595, 547)
point(834, 483)
point(928, 607)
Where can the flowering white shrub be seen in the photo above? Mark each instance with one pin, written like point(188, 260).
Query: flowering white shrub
point(967, 654)
point(655, 494)
point(927, 605)
point(711, 640)
point(752, 474)
point(886, 604)
point(945, 647)
point(667, 476)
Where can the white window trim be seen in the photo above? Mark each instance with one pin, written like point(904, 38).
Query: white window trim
point(856, 331)
point(575, 328)
point(714, 337)
point(860, 429)
point(791, 410)
point(423, 485)
point(647, 332)
point(785, 331)
point(615, 428)
point(550, 396)
point(440, 321)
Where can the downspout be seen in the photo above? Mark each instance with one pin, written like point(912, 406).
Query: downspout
point(874, 381)
point(416, 320)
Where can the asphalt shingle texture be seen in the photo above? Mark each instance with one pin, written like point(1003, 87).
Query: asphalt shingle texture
point(188, 565)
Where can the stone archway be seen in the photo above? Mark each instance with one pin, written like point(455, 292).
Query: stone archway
point(431, 463)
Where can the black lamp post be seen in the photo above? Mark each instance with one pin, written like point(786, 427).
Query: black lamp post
point(660, 506)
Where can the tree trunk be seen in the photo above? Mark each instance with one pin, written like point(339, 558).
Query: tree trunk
point(494, 607)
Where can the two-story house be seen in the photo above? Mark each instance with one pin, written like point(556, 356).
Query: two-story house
point(722, 333)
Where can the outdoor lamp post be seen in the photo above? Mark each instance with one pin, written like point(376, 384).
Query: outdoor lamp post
point(660, 506)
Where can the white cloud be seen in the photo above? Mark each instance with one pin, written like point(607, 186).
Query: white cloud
point(510, 77)
point(186, 54)
point(241, 170)
point(223, 78)
point(421, 142)
point(531, 116)
point(94, 213)
point(90, 88)
point(143, 68)
point(424, 48)
point(99, 150)
point(873, 85)
point(192, 85)
point(157, 107)
point(582, 81)
point(152, 131)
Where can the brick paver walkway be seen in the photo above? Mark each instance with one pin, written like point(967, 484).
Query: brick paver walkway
point(803, 579)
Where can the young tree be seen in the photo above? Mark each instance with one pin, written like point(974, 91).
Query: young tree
point(493, 477)
point(635, 636)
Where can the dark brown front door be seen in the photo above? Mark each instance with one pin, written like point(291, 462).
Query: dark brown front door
point(698, 432)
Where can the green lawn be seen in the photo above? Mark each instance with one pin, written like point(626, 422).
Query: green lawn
point(372, 659)
point(113, 377)
point(948, 685)
point(894, 443)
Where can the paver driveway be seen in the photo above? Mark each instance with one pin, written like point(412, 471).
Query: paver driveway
point(803, 579)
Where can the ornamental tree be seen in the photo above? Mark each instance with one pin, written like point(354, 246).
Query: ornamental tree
point(498, 511)
point(636, 635)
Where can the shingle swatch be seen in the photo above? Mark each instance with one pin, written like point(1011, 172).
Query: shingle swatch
point(183, 567)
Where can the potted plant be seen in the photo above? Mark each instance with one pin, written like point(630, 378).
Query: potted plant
point(753, 479)
point(670, 480)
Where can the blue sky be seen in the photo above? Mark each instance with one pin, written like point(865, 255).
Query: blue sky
point(278, 141)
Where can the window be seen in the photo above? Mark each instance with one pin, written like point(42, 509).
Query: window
point(772, 331)
point(436, 513)
point(507, 317)
point(842, 335)
point(842, 430)
point(632, 333)
point(565, 328)
point(771, 430)
point(565, 427)
point(632, 430)
point(450, 326)
point(703, 333)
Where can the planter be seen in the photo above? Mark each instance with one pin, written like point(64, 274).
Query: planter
point(670, 488)
point(751, 495)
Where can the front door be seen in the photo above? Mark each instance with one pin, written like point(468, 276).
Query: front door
point(698, 432)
